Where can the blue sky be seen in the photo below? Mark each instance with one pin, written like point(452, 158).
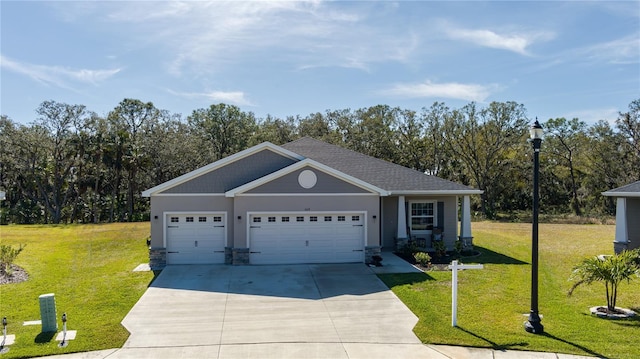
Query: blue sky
point(559, 59)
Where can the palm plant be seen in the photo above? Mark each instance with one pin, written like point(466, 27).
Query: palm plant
point(608, 269)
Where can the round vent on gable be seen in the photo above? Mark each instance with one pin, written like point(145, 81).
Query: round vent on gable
point(307, 179)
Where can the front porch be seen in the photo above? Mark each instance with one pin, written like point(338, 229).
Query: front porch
point(428, 223)
point(627, 213)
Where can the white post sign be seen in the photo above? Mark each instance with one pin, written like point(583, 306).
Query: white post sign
point(455, 267)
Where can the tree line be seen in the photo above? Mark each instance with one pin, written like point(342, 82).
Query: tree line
point(72, 165)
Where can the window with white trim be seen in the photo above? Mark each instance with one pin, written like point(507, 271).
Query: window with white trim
point(422, 215)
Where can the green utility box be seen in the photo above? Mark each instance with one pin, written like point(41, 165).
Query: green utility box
point(48, 313)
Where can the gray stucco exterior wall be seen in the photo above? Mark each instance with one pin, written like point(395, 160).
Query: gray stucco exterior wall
point(235, 174)
point(325, 184)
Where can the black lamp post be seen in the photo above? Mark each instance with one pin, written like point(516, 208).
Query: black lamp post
point(534, 325)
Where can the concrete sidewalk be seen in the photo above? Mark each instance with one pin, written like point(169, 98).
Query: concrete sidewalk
point(299, 311)
point(319, 351)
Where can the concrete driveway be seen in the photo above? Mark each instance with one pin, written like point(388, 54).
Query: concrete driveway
point(304, 311)
point(292, 311)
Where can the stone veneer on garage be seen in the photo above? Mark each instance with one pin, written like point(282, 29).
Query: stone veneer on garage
point(157, 258)
point(369, 252)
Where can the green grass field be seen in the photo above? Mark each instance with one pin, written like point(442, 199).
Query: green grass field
point(492, 301)
point(89, 269)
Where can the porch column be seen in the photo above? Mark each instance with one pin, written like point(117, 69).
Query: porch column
point(402, 220)
point(465, 222)
point(622, 235)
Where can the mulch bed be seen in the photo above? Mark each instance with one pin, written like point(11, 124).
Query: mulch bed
point(437, 263)
point(18, 275)
point(617, 313)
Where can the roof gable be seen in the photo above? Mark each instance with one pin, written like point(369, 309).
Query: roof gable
point(306, 163)
point(232, 179)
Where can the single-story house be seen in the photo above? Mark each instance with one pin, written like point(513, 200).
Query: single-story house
point(627, 216)
point(306, 201)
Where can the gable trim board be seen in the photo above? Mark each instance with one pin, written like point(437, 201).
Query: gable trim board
point(188, 195)
point(303, 194)
point(621, 194)
point(435, 193)
point(281, 182)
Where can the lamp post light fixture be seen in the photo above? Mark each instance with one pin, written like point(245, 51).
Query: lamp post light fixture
point(533, 324)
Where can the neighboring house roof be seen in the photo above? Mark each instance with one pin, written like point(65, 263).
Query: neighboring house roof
point(393, 178)
point(367, 172)
point(630, 190)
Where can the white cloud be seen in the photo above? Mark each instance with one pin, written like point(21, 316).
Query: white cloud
point(625, 50)
point(591, 116)
point(57, 75)
point(204, 37)
point(517, 42)
point(229, 97)
point(452, 90)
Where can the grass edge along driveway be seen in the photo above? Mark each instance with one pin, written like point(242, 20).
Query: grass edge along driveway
point(492, 301)
point(89, 269)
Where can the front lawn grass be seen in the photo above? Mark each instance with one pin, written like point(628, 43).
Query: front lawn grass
point(492, 301)
point(89, 269)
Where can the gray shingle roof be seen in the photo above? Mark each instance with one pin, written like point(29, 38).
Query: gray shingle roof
point(380, 173)
point(630, 190)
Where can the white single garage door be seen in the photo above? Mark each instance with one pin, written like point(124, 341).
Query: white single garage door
point(295, 238)
point(195, 238)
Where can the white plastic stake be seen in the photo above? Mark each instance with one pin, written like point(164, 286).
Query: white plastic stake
point(64, 342)
point(455, 267)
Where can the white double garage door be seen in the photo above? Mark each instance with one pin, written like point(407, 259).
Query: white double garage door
point(273, 238)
